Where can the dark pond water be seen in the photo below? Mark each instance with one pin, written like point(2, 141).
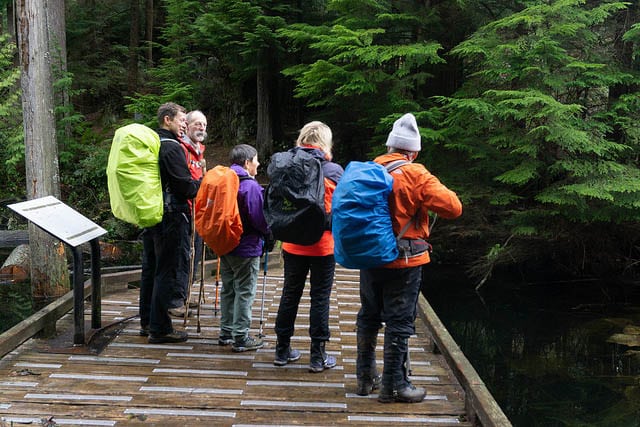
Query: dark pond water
point(15, 298)
point(542, 348)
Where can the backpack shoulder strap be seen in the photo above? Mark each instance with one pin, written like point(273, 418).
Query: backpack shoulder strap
point(391, 166)
point(168, 139)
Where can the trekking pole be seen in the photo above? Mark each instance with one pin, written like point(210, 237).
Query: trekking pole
point(264, 285)
point(215, 302)
point(201, 292)
point(191, 261)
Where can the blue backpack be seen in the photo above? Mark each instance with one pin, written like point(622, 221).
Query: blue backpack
point(361, 220)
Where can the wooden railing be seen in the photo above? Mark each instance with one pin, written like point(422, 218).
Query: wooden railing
point(481, 407)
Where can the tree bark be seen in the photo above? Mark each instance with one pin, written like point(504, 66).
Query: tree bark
point(134, 43)
point(148, 34)
point(49, 276)
point(56, 25)
point(264, 130)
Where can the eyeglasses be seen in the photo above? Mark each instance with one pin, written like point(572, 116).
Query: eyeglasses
point(198, 125)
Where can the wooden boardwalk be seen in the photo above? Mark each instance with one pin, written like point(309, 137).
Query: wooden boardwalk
point(131, 382)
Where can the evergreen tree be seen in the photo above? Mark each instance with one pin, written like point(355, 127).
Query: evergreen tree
point(242, 38)
point(546, 138)
point(367, 64)
point(11, 132)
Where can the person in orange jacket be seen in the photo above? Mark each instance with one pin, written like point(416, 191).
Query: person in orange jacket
point(390, 293)
point(317, 260)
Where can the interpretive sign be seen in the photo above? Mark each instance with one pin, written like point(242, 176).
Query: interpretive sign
point(60, 220)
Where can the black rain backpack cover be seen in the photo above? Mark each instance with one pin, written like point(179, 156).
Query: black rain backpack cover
point(294, 200)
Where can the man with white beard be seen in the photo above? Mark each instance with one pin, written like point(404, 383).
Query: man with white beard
point(192, 143)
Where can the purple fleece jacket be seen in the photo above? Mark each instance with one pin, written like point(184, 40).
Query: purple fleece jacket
point(254, 224)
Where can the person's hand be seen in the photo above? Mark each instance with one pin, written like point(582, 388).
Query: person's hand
point(269, 242)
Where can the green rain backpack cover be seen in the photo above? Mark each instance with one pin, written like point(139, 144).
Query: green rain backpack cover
point(133, 176)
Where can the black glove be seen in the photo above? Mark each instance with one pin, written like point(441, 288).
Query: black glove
point(328, 221)
point(269, 243)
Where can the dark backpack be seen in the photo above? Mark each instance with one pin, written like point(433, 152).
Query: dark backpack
point(361, 226)
point(294, 199)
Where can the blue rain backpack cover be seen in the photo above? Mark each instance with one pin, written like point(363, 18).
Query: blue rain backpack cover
point(362, 228)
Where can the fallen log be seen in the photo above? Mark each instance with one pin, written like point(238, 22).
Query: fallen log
point(13, 238)
point(16, 267)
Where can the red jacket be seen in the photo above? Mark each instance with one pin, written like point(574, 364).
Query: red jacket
point(415, 192)
point(332, 174)
point(194, 156)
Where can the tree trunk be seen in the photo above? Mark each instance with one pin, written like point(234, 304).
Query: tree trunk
point(264, 130)
point(56, 25)
point(11, 21)
point(49, 276)
point(16, 266)
point(134, 43)
point(148, 34)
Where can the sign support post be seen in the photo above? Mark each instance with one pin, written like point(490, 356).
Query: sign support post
point(74, 229)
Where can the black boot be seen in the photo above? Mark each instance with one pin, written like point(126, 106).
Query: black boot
point(366, 372)
point(319, 359)
point(284, 352)
point(396, 386)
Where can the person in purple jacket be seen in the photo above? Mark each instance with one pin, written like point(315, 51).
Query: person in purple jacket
point(239, 269)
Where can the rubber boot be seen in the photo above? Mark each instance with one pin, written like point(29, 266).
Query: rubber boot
point(366, 372)
point(396, 386)
point(319, 359)
point(284, 352)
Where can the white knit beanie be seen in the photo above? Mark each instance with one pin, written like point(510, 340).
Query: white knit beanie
point(405, 134)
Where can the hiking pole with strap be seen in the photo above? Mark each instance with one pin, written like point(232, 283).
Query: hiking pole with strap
point(191, 261)
point(215, 302)
point(264, 285)
point(203, 255)
point(201, 292)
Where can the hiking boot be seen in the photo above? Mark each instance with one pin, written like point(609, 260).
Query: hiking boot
point(396, 386)
point(144, 331)
point(319, 358)
point(225, 340)
point(408, 394)
point(174, 336)
point(247, 344)
point(368, 383)
point(285, 354)
point(366, 373)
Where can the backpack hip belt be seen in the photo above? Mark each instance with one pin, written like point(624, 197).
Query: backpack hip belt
point(172, 204)
point(413, 247)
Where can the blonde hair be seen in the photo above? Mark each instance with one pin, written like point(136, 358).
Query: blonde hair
point(316, 134)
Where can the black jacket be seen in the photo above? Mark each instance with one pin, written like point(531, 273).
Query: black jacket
point(174, 172)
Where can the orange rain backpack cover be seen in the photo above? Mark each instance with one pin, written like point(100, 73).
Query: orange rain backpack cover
point(217, 216)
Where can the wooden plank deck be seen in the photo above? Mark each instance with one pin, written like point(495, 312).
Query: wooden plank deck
point(131, 382)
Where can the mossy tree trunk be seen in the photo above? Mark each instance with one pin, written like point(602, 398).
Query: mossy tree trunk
point(49, 276)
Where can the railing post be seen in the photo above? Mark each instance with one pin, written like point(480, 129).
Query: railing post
point(78, 297)
point(96, 285)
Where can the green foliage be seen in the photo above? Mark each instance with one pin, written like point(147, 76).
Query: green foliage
point(11, 130)
point(537, 118)
point(98, 46)
point(370, 51)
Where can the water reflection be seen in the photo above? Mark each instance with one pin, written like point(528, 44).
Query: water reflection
point(15, 300)
point(542, 349)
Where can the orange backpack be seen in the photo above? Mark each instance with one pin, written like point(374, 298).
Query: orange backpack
point(217, 215)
